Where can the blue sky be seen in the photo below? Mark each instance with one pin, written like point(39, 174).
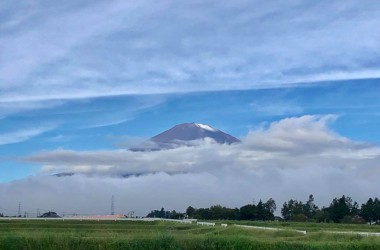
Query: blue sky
point(95, 76)
point(122, 121)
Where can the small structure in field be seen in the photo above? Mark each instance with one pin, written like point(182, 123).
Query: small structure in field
point(50, 214)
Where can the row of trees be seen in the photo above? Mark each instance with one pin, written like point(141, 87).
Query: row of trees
point(165, 214)
point(342, 209)
point(261, 211)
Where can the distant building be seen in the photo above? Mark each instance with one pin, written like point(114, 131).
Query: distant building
point(50, 215)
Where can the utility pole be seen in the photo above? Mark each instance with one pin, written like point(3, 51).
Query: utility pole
point(19, 209)
point(113, 205)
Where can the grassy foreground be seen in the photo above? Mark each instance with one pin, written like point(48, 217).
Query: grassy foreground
point(166, 235)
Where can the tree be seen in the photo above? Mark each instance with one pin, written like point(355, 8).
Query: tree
point(322, 215)
point(367, 211)
point(232, 214)
point(248, 212)
point(261, 213)
point(203, 213)
point(297, 210)
point(190, 211)
point(264, 211)
point(377, 209)
point(216, 212)
point(165, 214)
point(223, 213)
point(270, 206)
point(339, 208)
point(292, 208)
point(310, 209)
point(355, 210)
point(162, 213)
point(370, 211)
point(269, 209)
point(286, 210)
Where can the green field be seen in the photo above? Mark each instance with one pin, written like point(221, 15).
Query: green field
point(167, 235)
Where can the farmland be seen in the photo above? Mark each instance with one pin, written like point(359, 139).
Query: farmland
point(50, 234)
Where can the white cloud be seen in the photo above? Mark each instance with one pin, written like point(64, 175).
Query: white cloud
point(271, 107)
point(83, 194)
point(79, 50)
point(293, 142)
point(23, 134)
point(109, 123)
point(13, 107)
point(290, 159)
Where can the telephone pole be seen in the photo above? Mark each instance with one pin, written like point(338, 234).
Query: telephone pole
point(19, 209)
point(113, 205)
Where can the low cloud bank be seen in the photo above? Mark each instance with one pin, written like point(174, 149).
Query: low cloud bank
point(291, 158)
point(292, 143)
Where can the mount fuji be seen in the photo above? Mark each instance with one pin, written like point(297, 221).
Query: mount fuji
point(185, 134)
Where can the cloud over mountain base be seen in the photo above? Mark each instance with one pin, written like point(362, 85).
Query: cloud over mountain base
point(292, 158)
point(92, 195)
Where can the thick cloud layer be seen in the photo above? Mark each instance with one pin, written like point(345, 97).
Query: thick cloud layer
point(290, 159)
point(290, 143)
point(80, 49)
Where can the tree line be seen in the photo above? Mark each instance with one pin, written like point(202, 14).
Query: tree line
point(340, 210)
point(261, 211)
point(165, 214)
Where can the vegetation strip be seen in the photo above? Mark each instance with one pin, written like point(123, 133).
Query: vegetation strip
point(169, 235)
point(271, 228)
point(352, 232)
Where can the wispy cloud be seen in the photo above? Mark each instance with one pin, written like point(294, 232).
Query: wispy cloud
point(13, 107)
point(123, 110)
point(23, 134)
point(81, 50)
point(270, 108)
point(109, 123)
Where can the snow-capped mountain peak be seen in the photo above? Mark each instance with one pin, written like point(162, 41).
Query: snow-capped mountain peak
point(184, 135)
point(206, 127)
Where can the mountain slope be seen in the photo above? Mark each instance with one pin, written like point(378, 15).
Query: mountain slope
point(184, 134)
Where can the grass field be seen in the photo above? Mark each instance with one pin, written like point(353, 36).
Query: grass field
point(166, 235)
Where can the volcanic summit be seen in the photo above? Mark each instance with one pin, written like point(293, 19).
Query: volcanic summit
point(184, 134)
